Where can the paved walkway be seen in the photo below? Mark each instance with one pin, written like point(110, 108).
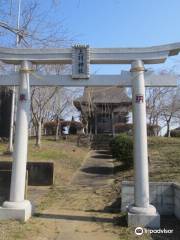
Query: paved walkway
point(96, 171)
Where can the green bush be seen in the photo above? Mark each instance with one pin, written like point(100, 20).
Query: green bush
point(122, 149)
point(175, 133)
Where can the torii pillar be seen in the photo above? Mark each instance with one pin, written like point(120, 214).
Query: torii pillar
point(17, 207)
point(141, 213)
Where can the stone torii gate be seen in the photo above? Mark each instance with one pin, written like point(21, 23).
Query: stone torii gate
point(141, 213)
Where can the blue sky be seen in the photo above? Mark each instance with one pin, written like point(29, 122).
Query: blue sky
point(122, 23)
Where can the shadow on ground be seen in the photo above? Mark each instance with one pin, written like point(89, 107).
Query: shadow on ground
point(119, 220)
point(98, 170)
point(114, 207)
point(74, 218)
point(104, 152)
point(105, 170)
point(102, 156)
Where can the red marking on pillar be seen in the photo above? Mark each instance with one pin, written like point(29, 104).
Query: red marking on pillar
point(139, 98)
point(22, 97)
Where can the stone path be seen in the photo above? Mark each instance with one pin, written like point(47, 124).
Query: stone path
point(96, 171)
point(80, 210)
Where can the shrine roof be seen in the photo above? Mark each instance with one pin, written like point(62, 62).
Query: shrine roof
point(102, 95)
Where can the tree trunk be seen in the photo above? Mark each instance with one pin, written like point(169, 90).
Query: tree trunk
point(168, 130)
point(57, 131)
point(38, 134)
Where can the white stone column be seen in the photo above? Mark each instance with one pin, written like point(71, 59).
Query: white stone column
point(141, 191)
point(18, 178)
point(140, 136)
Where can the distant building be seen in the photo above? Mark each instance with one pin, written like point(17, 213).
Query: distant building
point(103, 108)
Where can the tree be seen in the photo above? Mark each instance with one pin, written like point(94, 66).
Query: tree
point(154, 105)
point(62, 102)
point(170, 108)
point(36, 28)
point(163, 107)
point(41, 108)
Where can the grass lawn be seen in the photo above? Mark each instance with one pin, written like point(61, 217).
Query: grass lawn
point(164, 155)
point(67, 157)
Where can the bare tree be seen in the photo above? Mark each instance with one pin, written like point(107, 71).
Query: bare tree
point(170, 108)
point(37, 28)
point(46, 103)
point(62, 102)
point(162, 107)
point(41, 108)
point(154, 103)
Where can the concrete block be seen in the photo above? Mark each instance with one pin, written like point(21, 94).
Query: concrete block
point(176, 185)
point(177, 200)
point(177, 193)
point(5, 181)
point(128, 190)
point(39, 173)
point(161, 196)
point(166, 199)
point(16, 210)
point(177, 211)
point(177, 207)
point(165, 210)
point(145, 220)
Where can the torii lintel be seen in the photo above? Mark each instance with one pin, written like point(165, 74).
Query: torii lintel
point(149, 55)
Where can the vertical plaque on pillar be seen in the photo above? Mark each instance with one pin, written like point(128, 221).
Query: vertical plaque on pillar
point(80, 61)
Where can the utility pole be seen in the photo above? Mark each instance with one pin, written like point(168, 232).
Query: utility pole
point(14, 88)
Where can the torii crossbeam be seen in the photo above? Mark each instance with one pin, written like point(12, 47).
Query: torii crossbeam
point(149, 55)
point(122, 80)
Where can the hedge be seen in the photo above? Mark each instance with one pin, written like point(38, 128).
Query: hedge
point(175, 133)
point(122, 149)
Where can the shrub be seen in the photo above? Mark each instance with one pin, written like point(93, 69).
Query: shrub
point(122, 149)
point(123, 127)
point(175, 133)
